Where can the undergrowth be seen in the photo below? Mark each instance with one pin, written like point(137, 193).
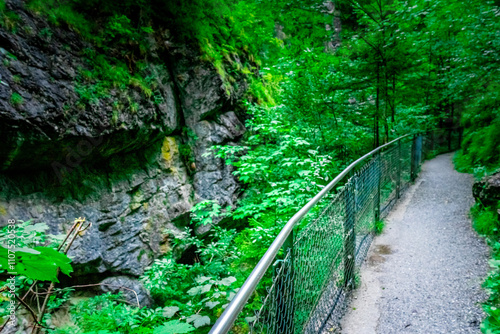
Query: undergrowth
point(486, 222)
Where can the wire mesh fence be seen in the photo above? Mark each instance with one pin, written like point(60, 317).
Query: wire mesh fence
point(320, 263)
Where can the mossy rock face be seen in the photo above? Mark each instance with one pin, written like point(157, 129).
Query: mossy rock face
point(54, 122)
point(117, 162)
point(487, 190)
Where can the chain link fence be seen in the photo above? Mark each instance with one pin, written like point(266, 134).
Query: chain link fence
point(320, 263)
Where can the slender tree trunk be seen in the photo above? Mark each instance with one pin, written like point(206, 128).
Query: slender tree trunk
point(393, 106)
point(335, 27)
point(386, 93)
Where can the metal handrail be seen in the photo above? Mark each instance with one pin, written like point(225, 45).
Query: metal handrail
point(226, 320)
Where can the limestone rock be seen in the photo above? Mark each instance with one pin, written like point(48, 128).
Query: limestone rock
point(134, 175)
point(51, 124)
point(124, 285)
point(487, 190)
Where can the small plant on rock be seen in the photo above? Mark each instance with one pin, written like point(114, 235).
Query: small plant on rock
point(16, 99)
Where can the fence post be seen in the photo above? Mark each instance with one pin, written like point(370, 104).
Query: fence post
point(413, 169)
point(398, 180)
point(285, 290)
point(378, 165)
point(349, 234)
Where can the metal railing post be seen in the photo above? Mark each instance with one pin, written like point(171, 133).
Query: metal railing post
point(378, 165)
point(285, 290)
point(349, 235)
point(398, 176)
point(413, 171)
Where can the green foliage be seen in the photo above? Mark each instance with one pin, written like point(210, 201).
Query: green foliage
point(485, 220)
point(16, 99)
point(491, 324)
point(174, 327)
point(20, 254)
point(486, 223)
point(379, 227)
point(8, 19)
point(127, 41)
point(400, 68)
point(46, 34)
point(196, 292)
point(224, 30)
point(29, 234)
point(281, 168)
point(39, 263)
point(122, 31)
point(114, 316)
point(204, 212)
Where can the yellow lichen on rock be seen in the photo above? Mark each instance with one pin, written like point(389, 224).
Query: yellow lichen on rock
point(169, 150)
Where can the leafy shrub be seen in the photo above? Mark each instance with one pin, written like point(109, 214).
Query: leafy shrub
point(379, 226)
point(196, 292)
point(491, 324)
point(485, 220)
point(35, 258)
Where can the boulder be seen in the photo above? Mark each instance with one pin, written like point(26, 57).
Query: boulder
point(133, 290)
point(487, 190)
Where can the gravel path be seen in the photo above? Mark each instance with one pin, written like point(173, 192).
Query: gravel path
point(423, 274)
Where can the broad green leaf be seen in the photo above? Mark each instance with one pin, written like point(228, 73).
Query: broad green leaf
point(203, 321)
point(201, 279)
point(40, 227)
point(198, 320)
point(211, 305)
point(250, 319)
point(227, 281)
point(39, 263)
point(205, 288)
point(174, 327)
point(198, 290)
point(194, 291)
point(169, 311)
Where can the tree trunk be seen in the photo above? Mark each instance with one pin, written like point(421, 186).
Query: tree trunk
point(335, 28)
point(376, 141)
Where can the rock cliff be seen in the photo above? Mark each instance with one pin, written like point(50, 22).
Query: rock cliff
point(134, 169)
